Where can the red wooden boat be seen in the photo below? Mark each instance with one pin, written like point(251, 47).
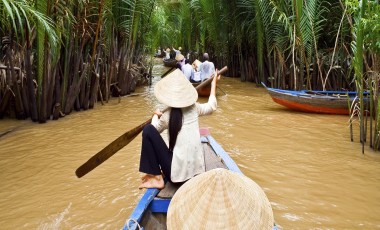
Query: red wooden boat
point(327, 102)
point(204, 89)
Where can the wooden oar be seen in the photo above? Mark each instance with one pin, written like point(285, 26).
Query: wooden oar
point(209, 80)
point(166, 73)
point(119, 143)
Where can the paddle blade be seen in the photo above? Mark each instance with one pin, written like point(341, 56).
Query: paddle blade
point(110, 150)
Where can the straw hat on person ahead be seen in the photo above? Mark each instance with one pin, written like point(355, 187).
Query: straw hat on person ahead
point(175, 90)
point(167, 50)
point(220, 199)
point(196, 64)
point(179, 57)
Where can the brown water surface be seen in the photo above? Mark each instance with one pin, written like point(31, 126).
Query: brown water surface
point(314, 176)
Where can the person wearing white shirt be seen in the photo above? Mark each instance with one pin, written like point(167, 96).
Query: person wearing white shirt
point(207, 68)
point(167, 54)
point(183, 157)
point(177, 52)
point(187, 69)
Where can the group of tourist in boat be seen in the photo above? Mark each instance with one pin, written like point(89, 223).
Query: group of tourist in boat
point(197, 71)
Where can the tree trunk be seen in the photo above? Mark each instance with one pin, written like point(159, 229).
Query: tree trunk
point(94, 91)
point(50, 97)
point(75, 83)
point(4, 102)
point(74, 90)
point(24, 97)
point(43, 100)
point(29, 80)
point(86, 98)
point(14, 85)
point(57, 110)
point(82, 94)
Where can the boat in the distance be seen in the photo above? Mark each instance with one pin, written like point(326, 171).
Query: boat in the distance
point(327, 102)
point(170, 62)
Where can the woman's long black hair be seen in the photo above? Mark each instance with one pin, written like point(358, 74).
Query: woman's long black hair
point(175, 125)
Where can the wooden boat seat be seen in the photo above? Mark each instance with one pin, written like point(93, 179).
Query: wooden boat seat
point(212, 161)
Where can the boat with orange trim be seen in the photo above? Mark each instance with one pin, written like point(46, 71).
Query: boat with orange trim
point(326, 102)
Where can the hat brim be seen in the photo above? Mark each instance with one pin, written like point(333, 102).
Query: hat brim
point(179, 57)
point(220, 199)
point(175, 90)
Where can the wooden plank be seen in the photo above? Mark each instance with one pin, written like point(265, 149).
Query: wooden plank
point(153, 221)
point(169, 190)
point(212, 161)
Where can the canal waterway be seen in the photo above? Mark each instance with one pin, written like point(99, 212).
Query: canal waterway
point(314, 176)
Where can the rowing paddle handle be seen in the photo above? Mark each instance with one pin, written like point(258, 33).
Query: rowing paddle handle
point(207, 81)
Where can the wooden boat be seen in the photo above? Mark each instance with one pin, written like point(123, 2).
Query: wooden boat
point(151, 210)
point(327, 102)
point(204, 90)
point(170, 62)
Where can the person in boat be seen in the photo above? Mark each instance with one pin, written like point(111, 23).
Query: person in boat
point(180, 61)
point(177, 52)
point(206, 68)
point(158, 54)
point(187, 69)
point(196, 74)
point(183, 157)
point(167, 54)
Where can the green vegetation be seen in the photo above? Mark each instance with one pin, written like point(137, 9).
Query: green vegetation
point(57, 56)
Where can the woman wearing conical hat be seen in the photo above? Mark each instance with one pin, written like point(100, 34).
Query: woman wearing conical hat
point(184, 157)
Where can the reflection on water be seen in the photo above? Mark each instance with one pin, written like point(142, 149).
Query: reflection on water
point(313, 175)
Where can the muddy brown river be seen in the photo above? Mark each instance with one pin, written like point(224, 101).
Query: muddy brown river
point(313, 175)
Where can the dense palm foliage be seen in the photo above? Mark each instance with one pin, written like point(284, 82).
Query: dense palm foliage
point(57, 56)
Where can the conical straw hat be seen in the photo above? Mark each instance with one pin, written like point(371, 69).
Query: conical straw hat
point(220, 199)
point(179, 57)
point(175, 90)
point(196, 64)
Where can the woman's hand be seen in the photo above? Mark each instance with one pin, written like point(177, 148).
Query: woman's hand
point(216, 77)
point(213, 83)
point(158, 113)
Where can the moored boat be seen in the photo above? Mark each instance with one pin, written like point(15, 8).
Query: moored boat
point(326, 102)
point(170, 62)
point(151, 210)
